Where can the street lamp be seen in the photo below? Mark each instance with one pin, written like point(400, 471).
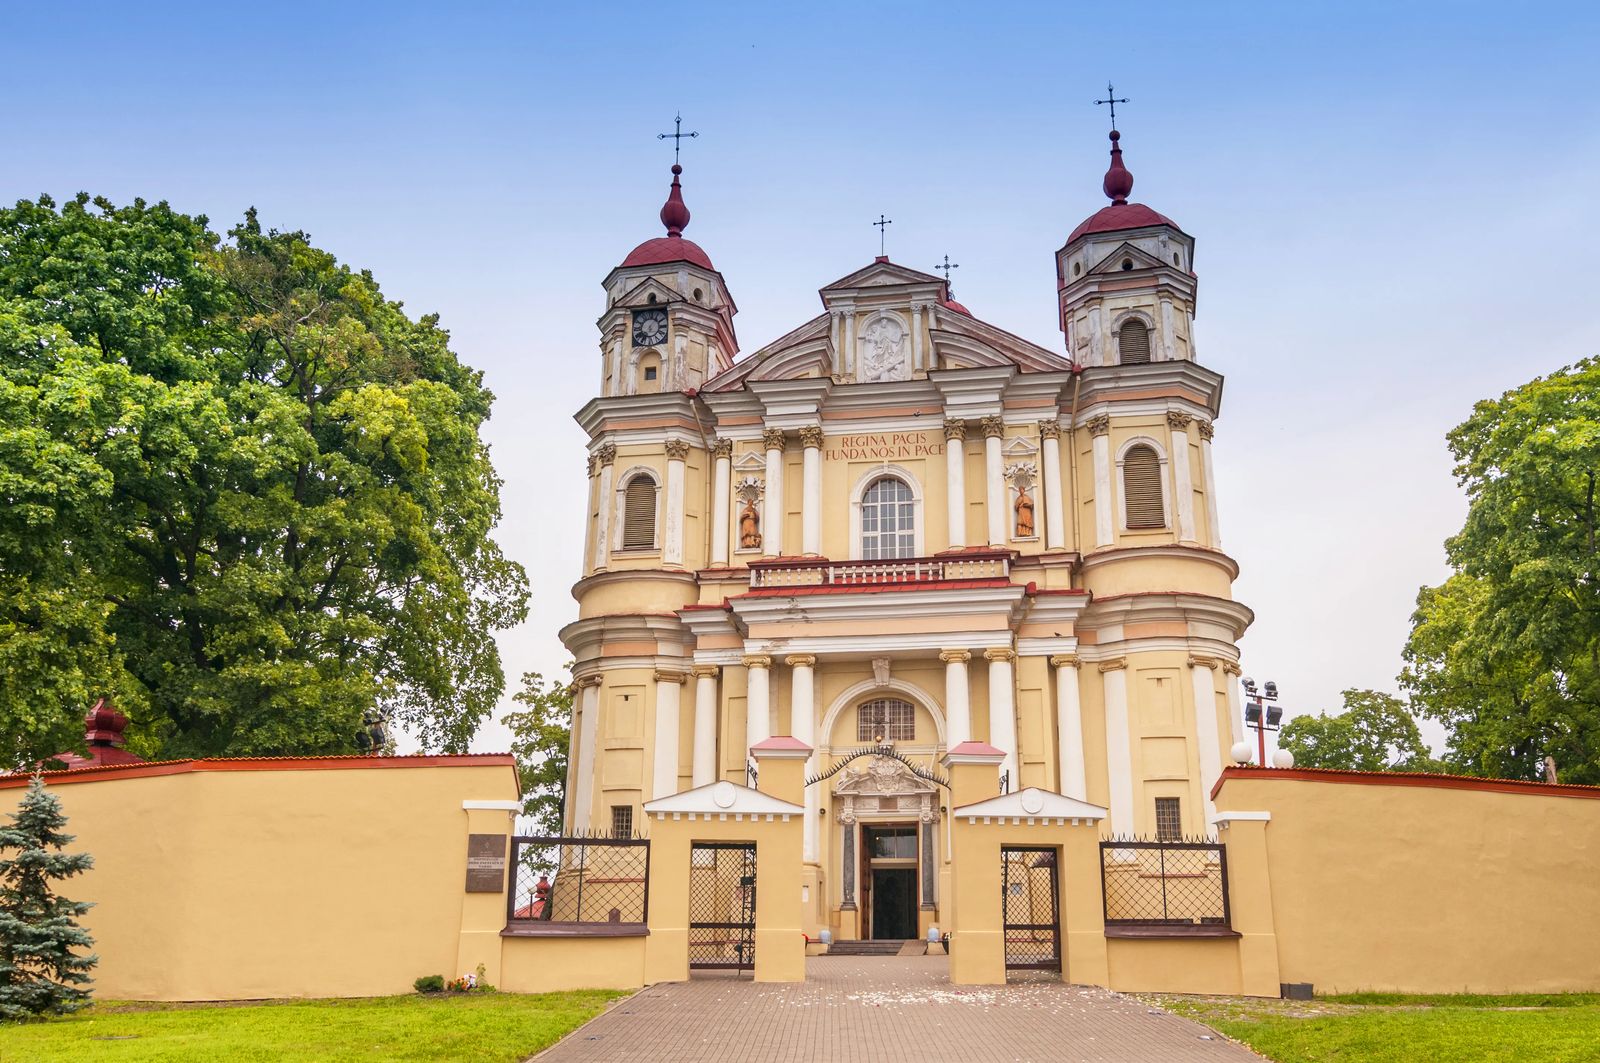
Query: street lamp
point(1261, 712)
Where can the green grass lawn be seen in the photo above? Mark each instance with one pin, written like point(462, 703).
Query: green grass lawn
point(475, 1028)
point(1404, 1028)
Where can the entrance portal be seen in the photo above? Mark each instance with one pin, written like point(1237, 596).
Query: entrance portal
point(890, 878)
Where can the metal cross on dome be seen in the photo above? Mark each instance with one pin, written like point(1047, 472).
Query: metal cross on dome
point(1111, 98)
point(881, 225)
point(677, 136)
point(946, 266)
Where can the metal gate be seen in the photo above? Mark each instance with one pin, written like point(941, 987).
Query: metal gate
point(722, 905)
point(1030, 895)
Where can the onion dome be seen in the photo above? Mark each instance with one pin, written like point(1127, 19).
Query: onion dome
point(103, 728)
point(671, 247)
point(1118, 185)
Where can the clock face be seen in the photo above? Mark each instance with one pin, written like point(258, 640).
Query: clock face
point(649, 328)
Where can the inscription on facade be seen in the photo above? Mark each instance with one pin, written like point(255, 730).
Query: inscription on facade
point(881, 446)
point(486, 863)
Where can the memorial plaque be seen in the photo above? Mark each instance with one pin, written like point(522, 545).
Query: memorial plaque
point(486, 863)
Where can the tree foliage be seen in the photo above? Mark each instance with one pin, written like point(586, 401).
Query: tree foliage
point(241, 493)
point(541, 736)
point(1375, 732)
point(40, 973)
point(1506, 652)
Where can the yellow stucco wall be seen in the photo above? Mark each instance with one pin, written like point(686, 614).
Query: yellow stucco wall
point(1427, 888)
point(259, 882)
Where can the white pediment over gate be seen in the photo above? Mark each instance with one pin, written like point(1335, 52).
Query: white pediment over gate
point(722, 799)
point(1031, 803)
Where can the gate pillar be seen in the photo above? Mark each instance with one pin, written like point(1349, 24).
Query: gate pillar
point(780, 862)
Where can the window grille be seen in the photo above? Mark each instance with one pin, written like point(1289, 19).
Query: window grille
point(1169, 819)
point(1133, 343)
point(888, 520)
point(639, 514)
point(621, 821)
point(890, 719)
point(1141, 488)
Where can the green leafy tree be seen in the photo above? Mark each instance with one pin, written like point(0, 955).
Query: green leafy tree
point(1506, 652)
point(241, 492)
point(541, 737)
point(40, 971)
point(1375, 732)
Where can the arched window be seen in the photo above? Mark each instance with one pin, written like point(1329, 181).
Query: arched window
point(890, 719)
point(888, 520)
point(639, 513)
point(1133, 343)
point(1141, 488)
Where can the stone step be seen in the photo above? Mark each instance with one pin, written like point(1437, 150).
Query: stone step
point(868, 948)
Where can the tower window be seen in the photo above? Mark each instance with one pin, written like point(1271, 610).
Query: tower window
point(1169, 819)
point(890, 719)
point(888, 520)
point(1127, 263)
point(698, 295)
point(621, 821)
point(639, 513)
point(1133, 343)
point(649, 372)
point(1141, 488)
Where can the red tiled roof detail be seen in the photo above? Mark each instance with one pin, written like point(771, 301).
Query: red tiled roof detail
point(1124, 216)
point(177, 767)
point(951, 304)
point(664, 249)
point(1409, 778)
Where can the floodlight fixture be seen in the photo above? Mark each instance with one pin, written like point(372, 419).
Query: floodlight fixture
point(1248, 683)
point(1274, 715)
point(1271, 689)
point(1252, 713)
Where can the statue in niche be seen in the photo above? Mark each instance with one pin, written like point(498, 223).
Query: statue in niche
point(1024, 508)
point(885, 342)
point(749, 525)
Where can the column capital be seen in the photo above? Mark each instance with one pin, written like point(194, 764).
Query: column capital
point(993, 426)
point(999, 653)
point(705, 671)
point(800, 660)
point(1115, 664)
point(592, 680)
point(1050, 429)
point(1232, 668)
point(670, 677)
point(721, 448)
point(1178, 421)
point(772, 438)
point(1206, 430)
point(1200, 661)
point(1098, 425)
point(1065, 660)
point(677, 449)
point(811, 436)
point(955, 428)
point(606, 453)
point(954, 656)
point(756, 660)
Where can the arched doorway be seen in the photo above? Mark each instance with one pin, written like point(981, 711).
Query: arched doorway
point(889, 860)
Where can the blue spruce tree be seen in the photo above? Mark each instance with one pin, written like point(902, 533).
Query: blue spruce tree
point(39, 971)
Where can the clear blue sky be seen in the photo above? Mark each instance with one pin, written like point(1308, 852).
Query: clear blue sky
point(1395, 208)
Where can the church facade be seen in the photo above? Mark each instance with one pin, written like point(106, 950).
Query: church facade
point(898, 529)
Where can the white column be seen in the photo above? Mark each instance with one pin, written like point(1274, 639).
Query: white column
point(705, 725)
point(605, 454)
point(1168, 351)
point(1206, 470)
point(1235, 702)
point(1096, 340)
point(1182, 482)
point(811, 492)
point(1055, 532)
point(1003, 712)
point(1206, 731)
point(957, 713)
point(772, 517)
point(588, 728)
point(672, 548)
point(803, 725)
point(757, 706)
point(1104, 500)
point(849, 342)
point(994, 480)
point(955, 475)
point(916, 336)
point(721, 497)
point(664, 778)
point(1069, 727)
point(1119, 751)
point(837, 340)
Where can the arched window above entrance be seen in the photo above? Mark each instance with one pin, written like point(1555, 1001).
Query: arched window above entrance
point(886, 719)
point(888, 520)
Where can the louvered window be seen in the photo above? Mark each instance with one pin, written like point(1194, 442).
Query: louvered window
point(888, 521)
point(889, 719)
point(1141, 488)
point(1133, 343)
point(639, 514)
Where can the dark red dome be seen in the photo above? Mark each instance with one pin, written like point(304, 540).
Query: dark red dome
point(1120, 216)
point(668, 249)
point(951, 304)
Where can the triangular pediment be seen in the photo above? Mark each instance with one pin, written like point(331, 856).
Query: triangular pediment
point(804, 353)
point(723, 798)
point(1112, 263)
point(882, 274)
point(639, 294)
point(1031, 803)
point(963, 342)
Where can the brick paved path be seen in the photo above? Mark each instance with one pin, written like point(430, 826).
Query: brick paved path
point(885, 1010)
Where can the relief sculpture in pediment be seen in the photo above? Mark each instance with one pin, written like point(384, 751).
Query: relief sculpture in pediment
point(883, 350)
